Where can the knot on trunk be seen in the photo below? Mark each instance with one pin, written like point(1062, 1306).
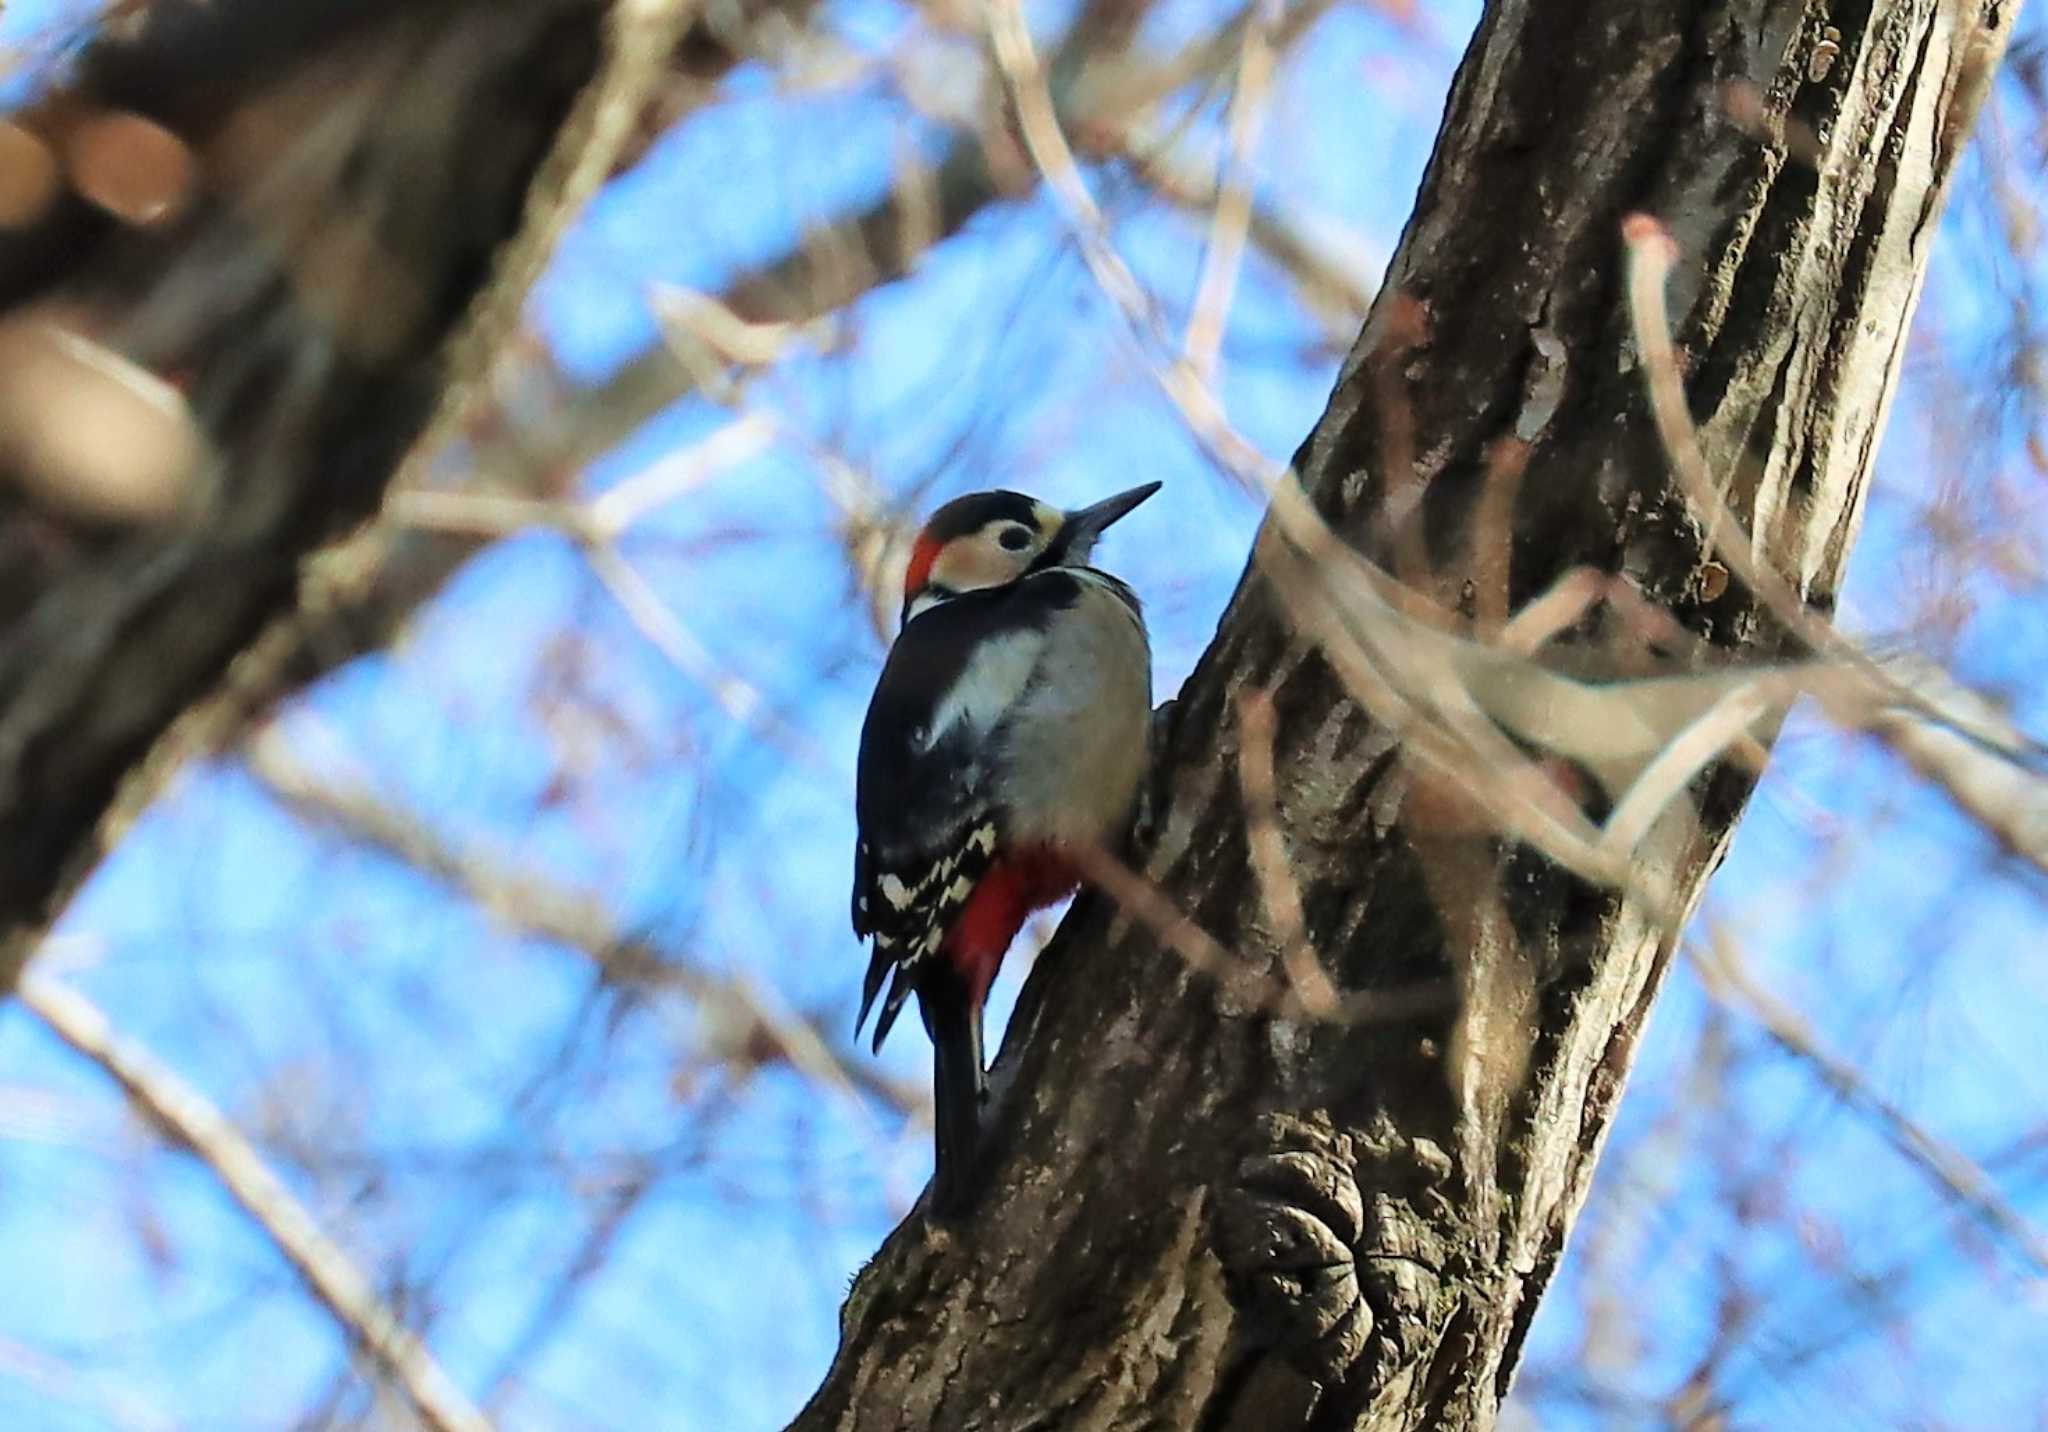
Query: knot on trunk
point(1326, 1254)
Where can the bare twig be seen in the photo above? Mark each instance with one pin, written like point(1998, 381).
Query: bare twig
point(1146, 903)
point(666, 632)
point(1233, 217)
point(928, 204)
point(677, 474)
point(1944, 735)
point(326, 1270)
point(1651, 253)
point(1326, 263)
point(530, 902)
point(705, 335)
point(1728, 979)
point(54, 1382)
point(596, 525)
point(1278, 888)
point(1038, 120)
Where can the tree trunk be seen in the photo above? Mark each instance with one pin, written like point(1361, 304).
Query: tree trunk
point(1211, 1210)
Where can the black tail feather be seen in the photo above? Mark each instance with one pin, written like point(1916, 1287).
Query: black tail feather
point(958, 1085)
point(878, 967)
point(900, 985)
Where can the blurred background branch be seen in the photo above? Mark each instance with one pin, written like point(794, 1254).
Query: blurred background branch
point(189, 1121)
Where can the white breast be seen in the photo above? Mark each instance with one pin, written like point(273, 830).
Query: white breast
point(1075, 751)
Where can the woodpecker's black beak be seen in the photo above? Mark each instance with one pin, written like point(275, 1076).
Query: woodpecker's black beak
point(1078, 533)
point(1094, 521)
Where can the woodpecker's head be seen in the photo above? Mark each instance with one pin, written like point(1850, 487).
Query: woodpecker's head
point(990, 539)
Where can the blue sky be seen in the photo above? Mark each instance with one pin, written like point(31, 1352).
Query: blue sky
point(455, 1100)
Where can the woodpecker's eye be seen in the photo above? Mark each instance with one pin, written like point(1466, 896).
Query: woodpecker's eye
point(1015, 539)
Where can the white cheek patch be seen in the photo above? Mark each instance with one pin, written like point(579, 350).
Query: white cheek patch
point(991, 684)
point(970, 564)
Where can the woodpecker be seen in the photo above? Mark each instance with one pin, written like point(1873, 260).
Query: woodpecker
point(1006, 737)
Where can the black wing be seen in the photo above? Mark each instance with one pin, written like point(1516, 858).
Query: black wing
point(928, 831)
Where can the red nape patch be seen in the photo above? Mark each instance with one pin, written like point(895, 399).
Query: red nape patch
point(1014, 886)
point(922, 555)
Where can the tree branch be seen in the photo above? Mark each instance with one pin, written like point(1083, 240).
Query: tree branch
point(361, 165)
point(191, 1119)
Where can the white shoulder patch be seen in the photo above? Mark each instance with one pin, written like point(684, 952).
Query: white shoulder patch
point(990, 684)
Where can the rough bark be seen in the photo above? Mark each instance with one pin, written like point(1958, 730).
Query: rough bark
point(359, 167)
point(1205, 1213)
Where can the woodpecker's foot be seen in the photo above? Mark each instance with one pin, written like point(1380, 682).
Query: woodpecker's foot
point(1343, 1281)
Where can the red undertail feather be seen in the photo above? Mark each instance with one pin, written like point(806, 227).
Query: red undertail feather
point(1004, 898)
